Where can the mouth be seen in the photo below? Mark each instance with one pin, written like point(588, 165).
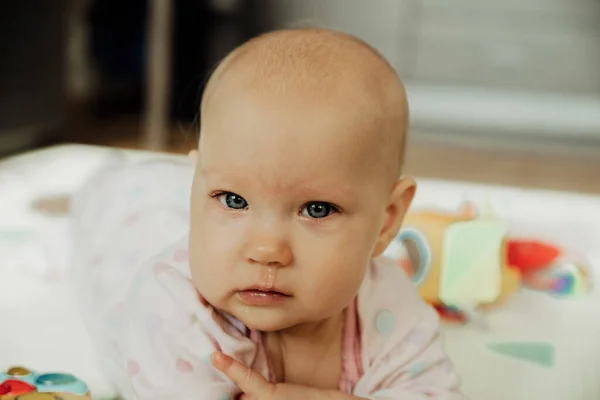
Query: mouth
point(260, 296)
point(263, 289)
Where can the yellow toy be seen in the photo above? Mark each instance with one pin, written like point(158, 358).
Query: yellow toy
point(464, 261)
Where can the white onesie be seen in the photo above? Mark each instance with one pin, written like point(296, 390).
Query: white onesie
point(155, 332)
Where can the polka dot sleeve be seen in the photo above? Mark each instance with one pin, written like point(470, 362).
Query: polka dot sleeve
point(415, 368)
point(402, 355)
point(166, 337)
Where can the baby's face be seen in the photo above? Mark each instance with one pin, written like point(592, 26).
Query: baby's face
point(286, 211)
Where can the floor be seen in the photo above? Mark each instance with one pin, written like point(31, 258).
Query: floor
point(568, 172)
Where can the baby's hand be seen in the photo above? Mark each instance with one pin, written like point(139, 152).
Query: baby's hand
point(255, 387)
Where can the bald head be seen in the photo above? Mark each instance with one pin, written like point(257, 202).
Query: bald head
point(326, 68)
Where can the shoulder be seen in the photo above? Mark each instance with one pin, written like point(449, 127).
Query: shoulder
point(164, 281)
point(165, 289)
point(168, 320)
point(388, 304)
point(386, 285)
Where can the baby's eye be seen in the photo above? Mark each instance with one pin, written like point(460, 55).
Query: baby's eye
point(317, 210)
point(232, 200)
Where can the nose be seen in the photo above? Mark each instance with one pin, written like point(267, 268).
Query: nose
point(269, 250)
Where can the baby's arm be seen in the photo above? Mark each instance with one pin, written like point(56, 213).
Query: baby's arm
point(402, 354)
point(411, 366)
point(414, 368)
point(166, 339)
point(254, 385)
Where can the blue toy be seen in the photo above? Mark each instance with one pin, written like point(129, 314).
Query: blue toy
point(19, 383)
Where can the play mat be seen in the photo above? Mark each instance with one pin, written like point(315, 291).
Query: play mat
point(536, 344)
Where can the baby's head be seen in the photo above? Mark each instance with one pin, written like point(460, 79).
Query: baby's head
point(297, 183)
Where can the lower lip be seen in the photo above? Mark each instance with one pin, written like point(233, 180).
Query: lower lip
point(260, 298)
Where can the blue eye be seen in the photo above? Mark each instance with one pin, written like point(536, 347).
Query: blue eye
point(232, 200)
point(317, 210)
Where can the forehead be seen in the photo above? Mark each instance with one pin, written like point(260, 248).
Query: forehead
point(286, 138)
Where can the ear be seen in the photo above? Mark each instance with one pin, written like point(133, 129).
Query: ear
point(399, 203)
point(193, 155)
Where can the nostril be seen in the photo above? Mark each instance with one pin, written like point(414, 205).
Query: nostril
point(274, 264)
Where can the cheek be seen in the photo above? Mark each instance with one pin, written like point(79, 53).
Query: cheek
point(333, 285)
point(215, 232)
point(337, 261)
point(213, 251)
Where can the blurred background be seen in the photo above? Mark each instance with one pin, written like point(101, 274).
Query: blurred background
point(504, 92)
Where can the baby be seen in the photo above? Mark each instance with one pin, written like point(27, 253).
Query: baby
point(280, 290)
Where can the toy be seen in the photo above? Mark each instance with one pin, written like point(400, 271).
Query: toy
point(537, 353)
point(19, 383)
point(461, 261)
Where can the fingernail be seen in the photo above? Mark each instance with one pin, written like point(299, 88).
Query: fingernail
point(216, 357)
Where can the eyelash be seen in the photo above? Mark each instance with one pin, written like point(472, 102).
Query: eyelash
point(216, 195)
point(334, 209)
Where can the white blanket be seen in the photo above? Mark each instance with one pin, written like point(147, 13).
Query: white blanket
point(43, 330)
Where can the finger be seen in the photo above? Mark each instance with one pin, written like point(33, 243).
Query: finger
point(248, 381)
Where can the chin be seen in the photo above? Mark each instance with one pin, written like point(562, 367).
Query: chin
point(264, 320)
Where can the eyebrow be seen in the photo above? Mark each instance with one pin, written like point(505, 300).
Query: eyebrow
point(331, 190)
point(304, 190)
